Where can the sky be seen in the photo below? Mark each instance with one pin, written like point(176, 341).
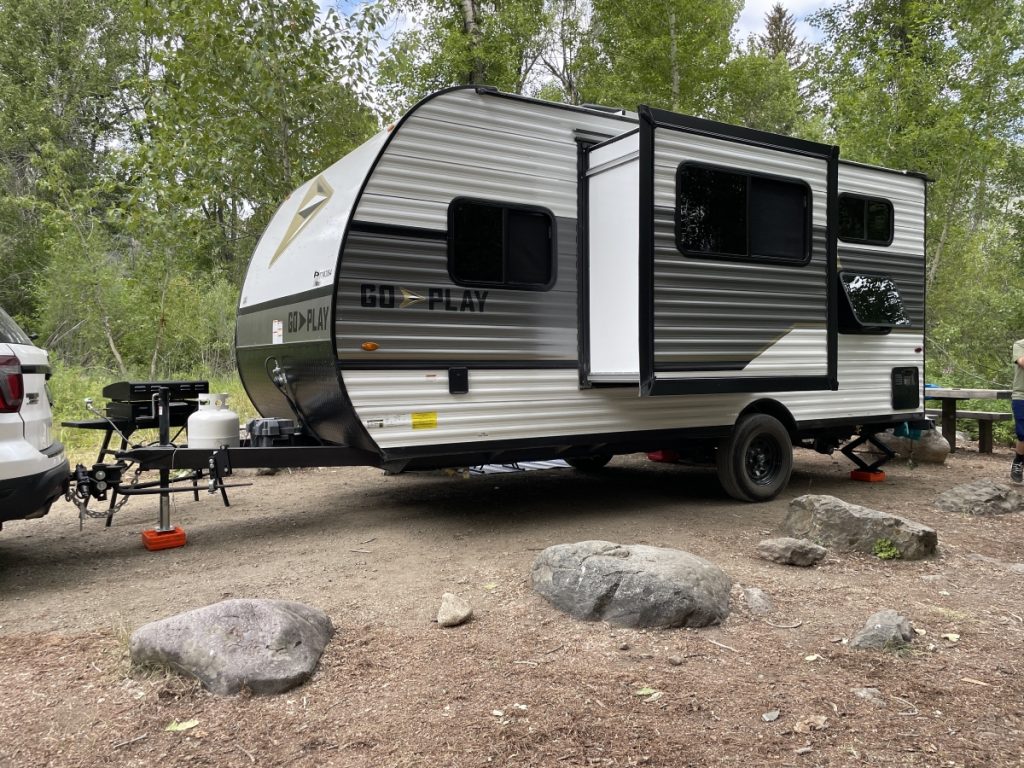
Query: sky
point(752, 18)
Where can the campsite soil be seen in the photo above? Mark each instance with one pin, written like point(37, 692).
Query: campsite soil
point(521, 684)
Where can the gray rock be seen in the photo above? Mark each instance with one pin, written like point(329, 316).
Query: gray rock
point(789, 551)
point(982, 497)
point(268, 646)
point(884, 631)
point(453, 611)
point(758, 602)
point(931, 448)
point(632, 586)
point(872, 695)
point(852, 528)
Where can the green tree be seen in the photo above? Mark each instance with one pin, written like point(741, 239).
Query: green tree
point(667, 53)
point(779, 39)
point(462, 42)
point(62, 117)
point(936, 86)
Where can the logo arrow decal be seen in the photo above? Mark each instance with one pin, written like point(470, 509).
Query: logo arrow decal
point(319, 192)
point(409, 298)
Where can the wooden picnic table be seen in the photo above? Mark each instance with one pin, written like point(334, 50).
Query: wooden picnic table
point(950, 397)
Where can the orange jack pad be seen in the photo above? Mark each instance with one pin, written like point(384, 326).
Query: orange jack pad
point(868, 477)
point(154, 540)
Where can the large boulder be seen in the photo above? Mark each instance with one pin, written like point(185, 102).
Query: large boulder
point(268, 646)
point(884, 631)
point(632, 585)
point(845, 527)
point(982, 497)
point(930, 448)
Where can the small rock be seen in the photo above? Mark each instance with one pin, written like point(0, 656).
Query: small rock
point(869, 694)
point(758, 602)
point(623, 646)
point(789, 551)
point(267, 471)
point(884, 631)
point(803, 751)
point(770, 716)
point(453, 611)
point(675, 661)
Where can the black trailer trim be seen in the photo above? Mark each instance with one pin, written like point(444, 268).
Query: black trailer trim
point(832, 270)
point(248, 457)
point(295, 298)
point(704, 127)
point(583, 147)
point(348, 364)
point(398, 230)
point(645, 251)
point(739, 384)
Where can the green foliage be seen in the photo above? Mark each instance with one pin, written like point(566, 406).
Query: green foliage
point(666, 53)
point(474, 42)
point(884, 549)
point(935, 86)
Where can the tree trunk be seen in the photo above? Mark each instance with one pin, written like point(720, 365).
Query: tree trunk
point(674, 52)
point(471, 26)
point(113, 347)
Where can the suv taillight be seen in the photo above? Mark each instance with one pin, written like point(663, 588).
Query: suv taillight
point(12, 385)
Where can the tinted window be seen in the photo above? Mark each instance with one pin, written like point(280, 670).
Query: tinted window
point(712, 213)
point(874, 300)
point(10, 331)
point(494, 244)
point(727, 213)
point(865, 219)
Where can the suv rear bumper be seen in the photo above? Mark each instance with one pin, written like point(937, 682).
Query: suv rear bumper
point(30, 496)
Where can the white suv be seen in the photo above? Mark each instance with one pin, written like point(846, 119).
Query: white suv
point(33, 468)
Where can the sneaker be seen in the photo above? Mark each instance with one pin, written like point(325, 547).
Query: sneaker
point(1017, 469)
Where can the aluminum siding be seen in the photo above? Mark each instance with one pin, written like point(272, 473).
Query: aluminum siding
point(717, 311)
point(462, 143)
point(904, 259)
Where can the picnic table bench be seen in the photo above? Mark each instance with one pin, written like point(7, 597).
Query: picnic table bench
point(949, 414)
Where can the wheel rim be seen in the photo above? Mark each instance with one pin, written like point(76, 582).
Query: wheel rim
point(763, 460)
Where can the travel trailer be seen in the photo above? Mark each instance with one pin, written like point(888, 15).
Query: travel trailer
point(496, 278)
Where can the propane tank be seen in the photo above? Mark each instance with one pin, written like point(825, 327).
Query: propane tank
point(214, 425)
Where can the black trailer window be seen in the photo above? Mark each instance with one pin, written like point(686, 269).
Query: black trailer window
point(873, 303)
point(734, 214)
point(865, 219)
point(493, 244)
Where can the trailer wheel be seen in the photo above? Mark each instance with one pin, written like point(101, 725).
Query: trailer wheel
point(756, 460)
point(590, 463)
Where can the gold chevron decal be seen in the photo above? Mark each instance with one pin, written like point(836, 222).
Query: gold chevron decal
point(319, 192)
point(409, 298)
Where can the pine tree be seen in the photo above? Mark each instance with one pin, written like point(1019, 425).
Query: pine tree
point(779, 38)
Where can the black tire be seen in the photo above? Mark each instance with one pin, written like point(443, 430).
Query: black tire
point(756, 460)
point(590, 463)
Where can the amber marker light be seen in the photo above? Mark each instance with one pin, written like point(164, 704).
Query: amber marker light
point(370, 346)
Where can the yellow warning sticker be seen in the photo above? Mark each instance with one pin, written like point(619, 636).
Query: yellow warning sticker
point(427, 420)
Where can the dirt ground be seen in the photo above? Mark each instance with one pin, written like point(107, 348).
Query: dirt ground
point(521, 684)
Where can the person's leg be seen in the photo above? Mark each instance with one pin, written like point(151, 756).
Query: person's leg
point(1017, 468)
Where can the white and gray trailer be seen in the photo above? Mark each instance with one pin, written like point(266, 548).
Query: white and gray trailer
point(496, 278)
